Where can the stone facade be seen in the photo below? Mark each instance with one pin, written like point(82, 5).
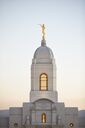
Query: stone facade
point(43, 110)
point(31, 115)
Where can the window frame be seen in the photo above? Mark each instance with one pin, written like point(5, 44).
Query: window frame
point(43, 118)
point(46, 80)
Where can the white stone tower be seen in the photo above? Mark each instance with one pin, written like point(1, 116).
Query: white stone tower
point(43, 74)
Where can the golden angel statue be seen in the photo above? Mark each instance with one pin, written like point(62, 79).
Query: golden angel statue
point(43, 31)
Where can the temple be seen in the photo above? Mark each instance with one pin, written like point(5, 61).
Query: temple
point(43, 110)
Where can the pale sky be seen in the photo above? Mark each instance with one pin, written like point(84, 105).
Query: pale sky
point(20, 35)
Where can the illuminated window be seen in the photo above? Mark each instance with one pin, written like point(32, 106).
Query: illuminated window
point(43, 118)
point(43, 82)
point(71, 124)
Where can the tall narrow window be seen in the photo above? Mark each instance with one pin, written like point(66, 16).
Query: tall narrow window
point(43, 82)
point(43, 118)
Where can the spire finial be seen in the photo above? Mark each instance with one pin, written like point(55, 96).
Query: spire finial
point(43, 31)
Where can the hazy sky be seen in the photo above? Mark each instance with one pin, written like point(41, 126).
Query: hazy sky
point(20, 35)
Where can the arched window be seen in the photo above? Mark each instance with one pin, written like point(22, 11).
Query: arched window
point(43, 118)
point(43, 82)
